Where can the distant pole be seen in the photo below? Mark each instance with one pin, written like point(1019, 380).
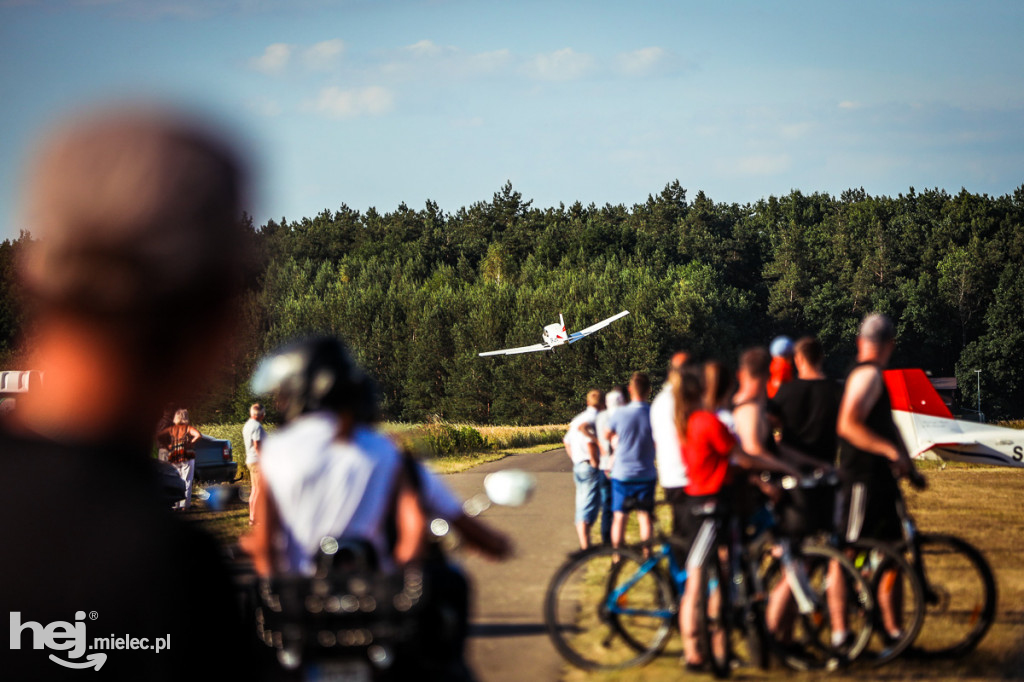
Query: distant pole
point(978, 373)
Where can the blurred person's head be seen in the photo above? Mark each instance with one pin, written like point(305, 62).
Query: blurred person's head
point(257, 411)
point(137, 256)
point(679, 358)
point(687, 385)
point(781, 347)
point(754, 368)
point(809, 357)
point(316, 374)
point(595, 398)
point(876, 339)
point(718, 385)
point(614, 399)
point(639, 386)
point(181, 417)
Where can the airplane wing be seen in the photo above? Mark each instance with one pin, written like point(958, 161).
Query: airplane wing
point(516, 351)
point(576, 336)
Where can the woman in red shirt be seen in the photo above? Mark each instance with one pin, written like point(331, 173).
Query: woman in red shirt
point(708, 450)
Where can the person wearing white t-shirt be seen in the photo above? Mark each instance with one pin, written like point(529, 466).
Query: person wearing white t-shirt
point(581, 445)
point(306, 466)
point(329, 474)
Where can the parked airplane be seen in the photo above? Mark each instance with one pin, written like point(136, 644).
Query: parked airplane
point(555, 335)
point(928, 427)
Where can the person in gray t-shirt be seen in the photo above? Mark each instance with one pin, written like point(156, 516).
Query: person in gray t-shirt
point(253, 435)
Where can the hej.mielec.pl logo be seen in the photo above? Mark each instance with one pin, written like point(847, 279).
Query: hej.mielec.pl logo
point(70, 639)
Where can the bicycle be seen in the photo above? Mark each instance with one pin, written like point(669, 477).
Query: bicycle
point(608, 608)
point(945, 591)
point(636, 610)
point(759, 562)
point(954, 592)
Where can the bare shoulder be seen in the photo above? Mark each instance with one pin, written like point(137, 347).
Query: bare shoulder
point(863, 384)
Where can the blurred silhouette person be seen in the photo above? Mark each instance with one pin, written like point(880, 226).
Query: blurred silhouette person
point(181, 439)
point(160, 435)
point(781, 367)
point(134, 212)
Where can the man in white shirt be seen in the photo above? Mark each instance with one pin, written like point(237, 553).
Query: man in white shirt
point(581, 445)
point(253, 435)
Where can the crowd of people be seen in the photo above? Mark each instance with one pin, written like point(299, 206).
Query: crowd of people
point(705, 432)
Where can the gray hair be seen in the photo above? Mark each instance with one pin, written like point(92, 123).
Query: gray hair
point(877, 328)
point(181, 417)
point(614, 399)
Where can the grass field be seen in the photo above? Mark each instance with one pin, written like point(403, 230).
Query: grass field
point(449, 448)
point(981, 505)
point(446, 448)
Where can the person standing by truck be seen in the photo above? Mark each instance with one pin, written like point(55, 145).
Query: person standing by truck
point(181, 452)
point(253, 435)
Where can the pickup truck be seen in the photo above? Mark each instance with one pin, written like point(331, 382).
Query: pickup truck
point(214, 461)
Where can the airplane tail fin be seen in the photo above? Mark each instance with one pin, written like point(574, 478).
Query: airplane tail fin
point(563, 334)
point(911, 391)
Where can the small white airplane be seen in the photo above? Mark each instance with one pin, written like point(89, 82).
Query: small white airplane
point(930, 431)
point(555, 335)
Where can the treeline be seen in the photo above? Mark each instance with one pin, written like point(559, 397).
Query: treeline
point(418, 293)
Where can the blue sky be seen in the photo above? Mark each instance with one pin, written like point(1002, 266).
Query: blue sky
point(377, 103)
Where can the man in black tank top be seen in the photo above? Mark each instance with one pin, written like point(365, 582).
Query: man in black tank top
point(873, 455)
point(871, 451)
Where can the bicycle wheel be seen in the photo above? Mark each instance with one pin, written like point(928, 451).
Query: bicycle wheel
point(899, 597)
point(713, 618)
point(755, 651)
point(603, 615)
point(802, 638)
point(960, 593)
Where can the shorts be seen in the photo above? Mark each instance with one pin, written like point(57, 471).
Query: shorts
point(588, 491)
point(870, 510)
point(628, 495)
point(801, 512)
point(698, 527)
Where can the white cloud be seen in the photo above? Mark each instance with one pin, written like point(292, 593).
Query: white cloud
point(848, 104)
point(562, 65)
point(640, 62)
point(273, 60)
point(323, 56)
point(337, 103)
point(427, 48)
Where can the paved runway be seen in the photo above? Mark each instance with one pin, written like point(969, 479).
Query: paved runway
point(508, 641)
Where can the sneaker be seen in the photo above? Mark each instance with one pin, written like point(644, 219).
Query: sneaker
point(893, 636)
point(840, 639)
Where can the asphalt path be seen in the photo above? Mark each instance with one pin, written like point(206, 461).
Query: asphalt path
point(507, 640)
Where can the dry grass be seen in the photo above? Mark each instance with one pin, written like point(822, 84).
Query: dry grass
point(980, 505)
